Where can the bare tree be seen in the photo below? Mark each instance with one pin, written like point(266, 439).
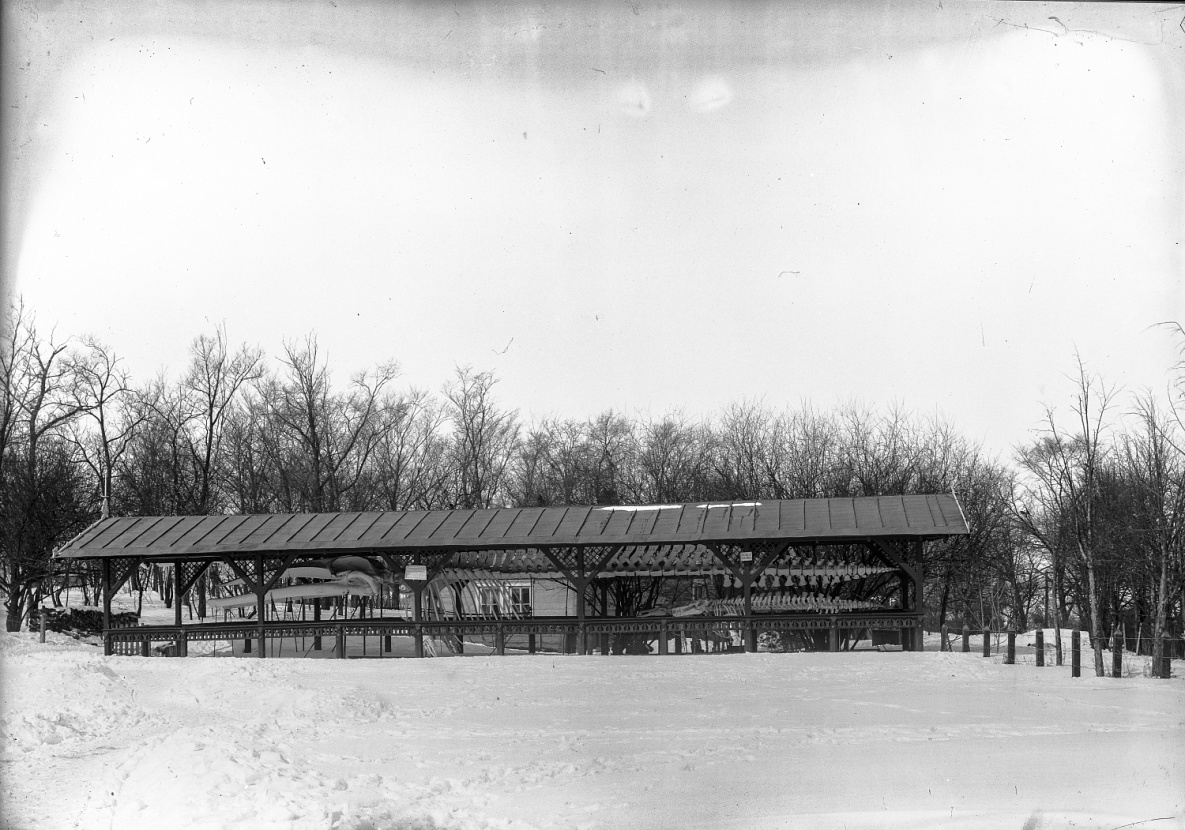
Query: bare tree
point(485, 438)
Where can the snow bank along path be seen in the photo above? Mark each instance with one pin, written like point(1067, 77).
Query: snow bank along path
point(858, 740)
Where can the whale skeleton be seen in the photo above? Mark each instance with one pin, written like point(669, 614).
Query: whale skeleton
point(352, 583)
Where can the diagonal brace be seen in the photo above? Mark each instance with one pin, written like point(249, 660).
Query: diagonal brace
point(890, 557)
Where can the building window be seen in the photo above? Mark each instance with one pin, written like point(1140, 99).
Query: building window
point(490, 607)
point(520, 600)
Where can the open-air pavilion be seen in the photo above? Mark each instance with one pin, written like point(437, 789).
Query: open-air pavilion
point(829, 568)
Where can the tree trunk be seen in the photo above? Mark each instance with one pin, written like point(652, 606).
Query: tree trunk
point(1096, 626)
point(14, 608)
point(1162, 603)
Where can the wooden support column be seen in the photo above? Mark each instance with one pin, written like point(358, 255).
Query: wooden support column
point(1040, 648)
point(108, 647)
point(260, 605)
point(581, 584)
point(1076, 653)
point(418, 618)
point(317, 618)
point(833, 635)
point(750, 631)
point(530, 644)
point(663, 634)
point(499, 640)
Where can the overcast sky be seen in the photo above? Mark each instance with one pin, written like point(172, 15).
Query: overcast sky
point(629, 205)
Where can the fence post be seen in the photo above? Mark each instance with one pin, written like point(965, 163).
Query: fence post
point(41, 623)
point(987, 642)
point(1116, 654)
point(530, 644)
point(1040, 647)
point(182, 644)
point(145, 645)
point(341, 642)
point(499, 641)
point(945, 646)
point(662, 637)
point(1010, 658)
point(1075, 653)
point(966, 638)
point(833, 635)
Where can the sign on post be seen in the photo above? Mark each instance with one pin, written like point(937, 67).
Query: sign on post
point(416, 573)
point(746, 556)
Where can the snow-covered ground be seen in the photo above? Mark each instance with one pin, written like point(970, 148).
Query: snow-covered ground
point(855, 740)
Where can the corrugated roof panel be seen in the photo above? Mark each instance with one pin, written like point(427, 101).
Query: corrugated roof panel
point(793, 514)
point(197, 529)
point(549, 522)
point(238, 534)
point(524, 523)
point(715, 518)
point(500, 525)
point(843, 514)
point(397, 530)
point(867, 514)
point(892, 512)
point(132, 532)
point(817, 516)
point(107, 531)
point(426, 529)
point(666, 521)
point(311, 532)
point(917, 511)
point(448, 529)
point(612, 523)
point(340, 524)
point(361, 527)
point(153, 537)
point(262, 533)
point(810, 520)
point(476, 524)
point(689, 519)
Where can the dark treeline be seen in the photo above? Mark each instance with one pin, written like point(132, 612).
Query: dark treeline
point(1082, 527)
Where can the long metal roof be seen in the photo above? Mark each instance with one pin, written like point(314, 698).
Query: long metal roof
point(798, 520)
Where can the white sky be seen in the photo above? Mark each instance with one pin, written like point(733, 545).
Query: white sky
point(656, 207)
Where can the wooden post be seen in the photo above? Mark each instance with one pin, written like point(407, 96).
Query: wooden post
point(341, 641)
point(1075, 653)
point(317, 619)
point(41, 622)
point(966, 638)
point(1116, 654)
point(945, 644)
point(662, 637)
point(387, 643)
point(418, 617)
point(177, 594)
point(499, 641)
point(461, 642)
point(247, 646)
point(1040, 647)
point(182, 644)
point(260, 609)
point(679, 641)
point(833, 635)
point(987, 642)
point(1010, 657)
point(108, 646)
point(530, 644)
point(145, 645)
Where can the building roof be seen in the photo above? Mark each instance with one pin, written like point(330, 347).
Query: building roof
point(797, 520)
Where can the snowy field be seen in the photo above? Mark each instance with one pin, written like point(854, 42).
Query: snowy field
point(855, 740)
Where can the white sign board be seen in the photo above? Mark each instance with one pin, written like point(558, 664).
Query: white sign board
point(416, 572)
point(746, 556)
